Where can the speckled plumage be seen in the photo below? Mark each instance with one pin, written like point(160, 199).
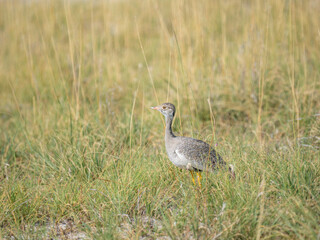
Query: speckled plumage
point(188, 153)
point(198, 154)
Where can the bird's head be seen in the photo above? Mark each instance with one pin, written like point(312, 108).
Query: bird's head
point(167, 109)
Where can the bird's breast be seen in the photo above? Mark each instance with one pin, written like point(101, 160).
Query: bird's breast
point(175, 159)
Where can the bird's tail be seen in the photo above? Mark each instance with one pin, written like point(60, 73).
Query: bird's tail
point(231, 171)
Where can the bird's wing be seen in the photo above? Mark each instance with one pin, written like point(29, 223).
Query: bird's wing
point(198, 153)
point(189, 161)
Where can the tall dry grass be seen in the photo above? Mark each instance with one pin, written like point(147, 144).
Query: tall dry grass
point(79, 144)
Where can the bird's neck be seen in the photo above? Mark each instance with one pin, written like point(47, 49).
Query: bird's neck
point(169, 133)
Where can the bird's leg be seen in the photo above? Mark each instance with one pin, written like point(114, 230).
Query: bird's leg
point(199, 178)
point(194, 182)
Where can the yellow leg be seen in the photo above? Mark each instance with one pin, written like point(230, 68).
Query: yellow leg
point(194, 182)
point(199, 178)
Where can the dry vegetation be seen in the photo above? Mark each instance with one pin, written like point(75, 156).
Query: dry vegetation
point(81, 155)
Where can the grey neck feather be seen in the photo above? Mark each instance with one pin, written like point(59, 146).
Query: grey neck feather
point(169, 133)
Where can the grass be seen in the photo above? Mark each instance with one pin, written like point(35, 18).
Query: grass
point(81, 152)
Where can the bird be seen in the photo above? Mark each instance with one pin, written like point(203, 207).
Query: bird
point(189, 153)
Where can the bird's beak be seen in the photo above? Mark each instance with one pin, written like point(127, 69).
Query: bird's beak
point(156, 108)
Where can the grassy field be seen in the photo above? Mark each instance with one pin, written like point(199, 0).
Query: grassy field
point(83, 156)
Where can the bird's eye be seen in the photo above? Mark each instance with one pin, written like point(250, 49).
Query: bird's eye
point(164, 107)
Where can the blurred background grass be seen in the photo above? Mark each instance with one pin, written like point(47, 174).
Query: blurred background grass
point(79, 145)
